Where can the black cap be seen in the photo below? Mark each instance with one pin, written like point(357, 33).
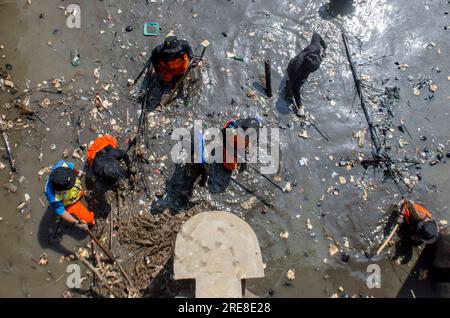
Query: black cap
point(171, 44)
point(63, 178)
point(428, 231)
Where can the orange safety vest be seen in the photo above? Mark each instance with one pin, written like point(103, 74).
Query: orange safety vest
point(415, 213)
point(238, 143)
point(173, 67)
point(99, 144)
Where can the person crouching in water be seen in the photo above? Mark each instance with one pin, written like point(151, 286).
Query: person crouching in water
point(64, 192)
point(171, 60)
point(417, 223)
point(196, 168)
point(300, 67)
point(236, 145)
point(105, 159)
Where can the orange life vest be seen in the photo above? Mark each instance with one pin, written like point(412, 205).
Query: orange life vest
point(414, 212)
point(99, 144)
point(173, 67)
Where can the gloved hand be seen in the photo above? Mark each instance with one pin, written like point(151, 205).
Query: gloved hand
point(194, 63)
point(400, 219)
point(80, 173)
point(82, 225)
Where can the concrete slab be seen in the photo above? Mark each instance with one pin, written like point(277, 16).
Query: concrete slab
point(218, 250)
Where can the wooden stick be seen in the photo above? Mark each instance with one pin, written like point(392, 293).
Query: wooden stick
point(110, 229)
point(118, 202)
point(94, 258)
point(91, 268)
point(146, 66)
point(265, 177)
point(9, 151)
point(97, 274)
point(111, 256)
point(268, 78)
point(394, 230)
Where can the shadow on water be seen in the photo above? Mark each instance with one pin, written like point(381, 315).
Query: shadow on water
point(52, 230)
point(180, 187)
point(329, 11)
point(284, 101)
point(430, 276)
point(165, 286)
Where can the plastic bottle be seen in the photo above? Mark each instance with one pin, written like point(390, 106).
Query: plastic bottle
point(74, 57)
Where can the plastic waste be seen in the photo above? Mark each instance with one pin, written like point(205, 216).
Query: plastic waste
point(74, 57)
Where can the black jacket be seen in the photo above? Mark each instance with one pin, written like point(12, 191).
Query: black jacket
point(107, 167)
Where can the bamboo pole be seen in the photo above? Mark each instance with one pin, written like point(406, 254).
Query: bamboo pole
point(111, 256)
point(385, 243)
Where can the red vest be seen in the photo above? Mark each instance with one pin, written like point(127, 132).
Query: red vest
point(173, 67)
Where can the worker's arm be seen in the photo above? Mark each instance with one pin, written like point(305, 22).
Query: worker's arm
point(66, 216)
point(296, 86)
point(155, 57)
point(317, 39)
point(59, 209)
point(120, 154)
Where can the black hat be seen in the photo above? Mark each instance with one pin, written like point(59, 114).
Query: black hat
point(428, 231)
point(63, 178)
point(171, 44)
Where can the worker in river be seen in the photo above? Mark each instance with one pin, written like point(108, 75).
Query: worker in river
point(236, 144)
point(417, 223)
point(171, 60)
point(300, 67)
point(106, 161)
point(64, 193)
point(195, 168)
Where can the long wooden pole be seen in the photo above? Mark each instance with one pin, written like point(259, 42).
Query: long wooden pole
point(9, 151)
point(97, 274)
point(111, 256)
point(265, 177)
point(394, 230)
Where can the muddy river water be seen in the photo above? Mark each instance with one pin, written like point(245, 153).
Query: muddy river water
point(396, 43)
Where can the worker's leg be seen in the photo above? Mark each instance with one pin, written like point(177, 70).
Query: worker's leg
point(187, 188)
point(80, 211)
point(204, 173)
point(296, 92)
point(288, 91)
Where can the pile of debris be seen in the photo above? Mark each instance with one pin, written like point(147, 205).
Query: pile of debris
point(144, 250)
